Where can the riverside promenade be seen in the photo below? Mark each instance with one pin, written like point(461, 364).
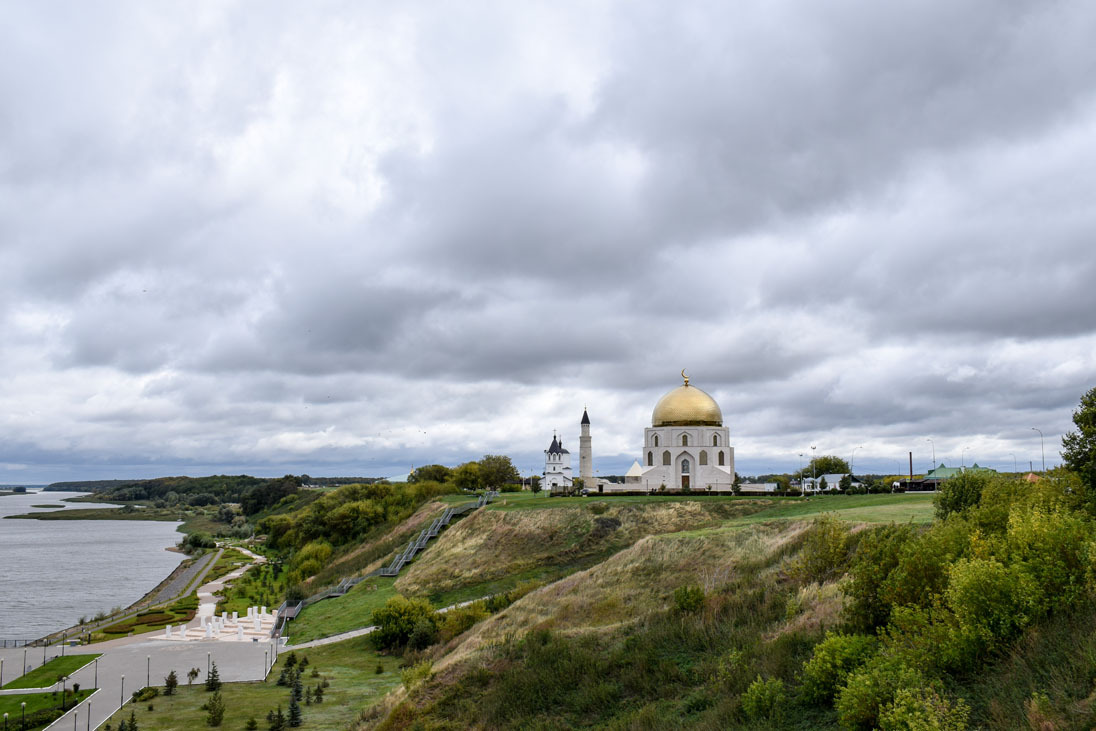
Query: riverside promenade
point(130, 663)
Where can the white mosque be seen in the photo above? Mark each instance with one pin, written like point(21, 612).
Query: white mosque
point(686, 447)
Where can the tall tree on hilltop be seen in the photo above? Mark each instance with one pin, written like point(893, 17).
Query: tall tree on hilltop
point(826, 464)
point(467, 476)
point(431, 472)
point(497, 470)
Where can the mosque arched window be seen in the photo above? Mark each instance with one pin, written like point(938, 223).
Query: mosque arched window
point(715, 440)
point(655, 442)
point(684, 440)
point(666, 458)
point(704, 457)
point(650, 459)
point(721, 460)
point(684, 466)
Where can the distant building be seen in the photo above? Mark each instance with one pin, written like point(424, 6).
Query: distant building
point(833, 482)
point(557, 467)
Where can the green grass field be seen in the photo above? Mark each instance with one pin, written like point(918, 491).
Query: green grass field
point(900, 508)
point(349, 666)
point(883, 508)
point(529, 501)
point(342, 614)
point(9, 704)
point(46, 675)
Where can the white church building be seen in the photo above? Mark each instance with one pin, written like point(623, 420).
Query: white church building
point(685, 448)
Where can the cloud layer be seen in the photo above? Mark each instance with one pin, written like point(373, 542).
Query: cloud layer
point(346, 238)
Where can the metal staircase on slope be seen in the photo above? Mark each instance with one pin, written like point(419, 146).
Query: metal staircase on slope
point(418, 543)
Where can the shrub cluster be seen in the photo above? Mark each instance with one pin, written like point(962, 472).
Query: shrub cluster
point(1001, 557)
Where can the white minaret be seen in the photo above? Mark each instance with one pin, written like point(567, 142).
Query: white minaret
point(586, 453)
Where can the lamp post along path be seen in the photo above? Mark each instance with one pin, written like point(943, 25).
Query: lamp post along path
point(1042, 451)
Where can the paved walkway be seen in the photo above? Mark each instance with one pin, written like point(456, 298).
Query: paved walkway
point(186, 577)
point(256, 626)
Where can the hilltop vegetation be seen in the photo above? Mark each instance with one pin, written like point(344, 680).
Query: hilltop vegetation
point(781, 624)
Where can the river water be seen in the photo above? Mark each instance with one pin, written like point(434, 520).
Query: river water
point(52, 572)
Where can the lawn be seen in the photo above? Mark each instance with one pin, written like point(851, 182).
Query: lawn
point(342, 614)
point(46, 675)
point(261, 585)
point(350, 668)
point(530, 501)
point(884, 508)
point(9, 704)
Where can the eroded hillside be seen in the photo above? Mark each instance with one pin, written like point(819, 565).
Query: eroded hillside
point(491, 544)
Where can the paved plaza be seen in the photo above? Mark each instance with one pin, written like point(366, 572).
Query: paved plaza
point(240, 645)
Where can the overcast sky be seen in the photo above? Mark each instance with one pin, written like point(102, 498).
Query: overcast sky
point(344, 238)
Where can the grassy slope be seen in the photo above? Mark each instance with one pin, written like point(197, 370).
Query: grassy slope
point(613, 634)
point(491, 545)
point(349, 666)
point(46, 675)
point(342, 614)
point(916, 508)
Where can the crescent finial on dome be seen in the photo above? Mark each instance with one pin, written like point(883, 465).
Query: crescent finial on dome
point(684, 376)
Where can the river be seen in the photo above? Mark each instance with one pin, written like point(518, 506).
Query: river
point(52, 572)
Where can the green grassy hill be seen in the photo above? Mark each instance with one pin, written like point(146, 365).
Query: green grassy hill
point(870, 611)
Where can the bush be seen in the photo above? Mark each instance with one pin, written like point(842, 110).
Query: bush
point(763, 701)
point(424, 634)
point(921, 572)
point(825, 551)
point(959, 493)
point(688, 598)
point(914, 709)
point(990, 600)
point(145, 694)
point(460, 619)
point(872, 688)
point(415, 674)
point(1053, 547)
point(834, 658)
point(398, 618)
point(866, 607)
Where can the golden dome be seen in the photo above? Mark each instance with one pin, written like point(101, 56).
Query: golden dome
point(687, 406)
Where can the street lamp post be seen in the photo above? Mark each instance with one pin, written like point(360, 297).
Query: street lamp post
point(852, 459)
point(122, 694)
point(1042, 453)
point(63, 679)
point(814, 467)
point(148, 670)
point(23, 707)
point(89, 716)
point(96, 682)
point(1013, 461)
point(935, 482)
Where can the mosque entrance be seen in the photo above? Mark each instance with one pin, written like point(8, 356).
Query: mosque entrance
point(684, 482)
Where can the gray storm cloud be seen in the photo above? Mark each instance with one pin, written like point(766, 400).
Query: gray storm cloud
point(345, 238)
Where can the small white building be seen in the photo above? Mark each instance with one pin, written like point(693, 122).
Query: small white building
point(833, 482)
point(557, 467)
